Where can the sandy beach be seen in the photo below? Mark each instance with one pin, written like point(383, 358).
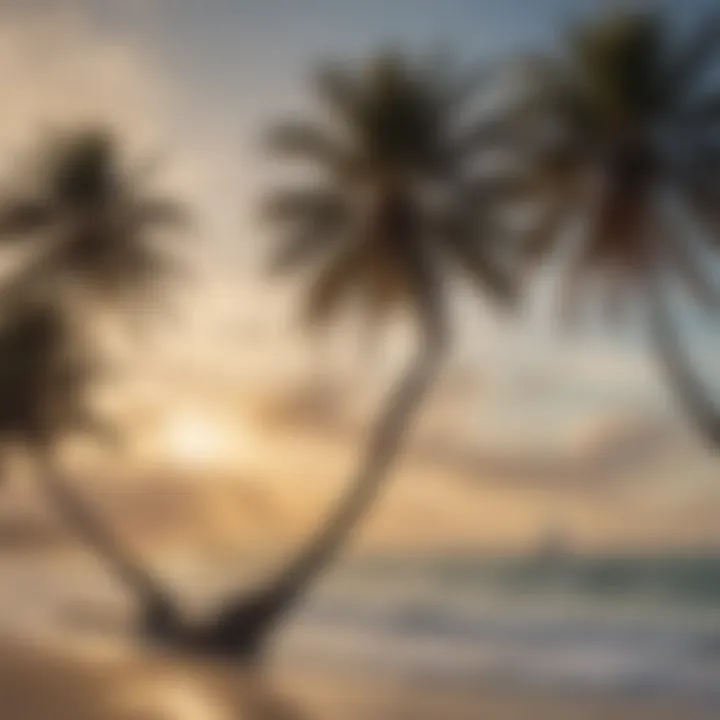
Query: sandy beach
point(387, 648)
point(38, 683)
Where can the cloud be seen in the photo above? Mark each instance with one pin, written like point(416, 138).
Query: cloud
point(58, 68)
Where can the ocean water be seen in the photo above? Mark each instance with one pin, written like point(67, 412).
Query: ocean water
point(647, 625)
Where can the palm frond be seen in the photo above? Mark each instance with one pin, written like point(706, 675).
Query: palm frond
point(40, 383)
point(308, 240)
point(310, 142)
point(620, 60)
point(83, 167)
point(22, 217)
point(304, 205)
point(465, 242)
point(332, 285)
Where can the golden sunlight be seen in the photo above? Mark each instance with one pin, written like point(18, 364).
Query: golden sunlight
point(172, 696)
point(194, 438)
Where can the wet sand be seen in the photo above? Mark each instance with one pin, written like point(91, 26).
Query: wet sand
point(40, 683)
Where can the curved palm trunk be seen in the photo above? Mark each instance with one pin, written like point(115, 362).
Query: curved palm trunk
point(675, 364)
point(242, 627)
point(159, 614)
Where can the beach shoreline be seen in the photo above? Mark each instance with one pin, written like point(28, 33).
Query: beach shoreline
point(40, 683)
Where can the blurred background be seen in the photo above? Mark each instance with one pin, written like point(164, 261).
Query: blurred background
point(546, 541)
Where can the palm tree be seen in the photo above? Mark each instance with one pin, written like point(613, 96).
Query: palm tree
point(623, 136)
point(88, 226)
point(46, 370)
point(397, 203)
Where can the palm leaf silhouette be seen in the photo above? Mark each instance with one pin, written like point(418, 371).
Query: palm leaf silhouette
point(634, 127)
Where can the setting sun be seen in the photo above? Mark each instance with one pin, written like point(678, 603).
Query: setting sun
point(193, 438)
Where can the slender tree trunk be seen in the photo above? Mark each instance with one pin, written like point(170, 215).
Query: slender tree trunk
point(159, 614)
point(676, 366)
point(242, 627)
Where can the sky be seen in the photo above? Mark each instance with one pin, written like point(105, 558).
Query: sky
point(201, 80)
